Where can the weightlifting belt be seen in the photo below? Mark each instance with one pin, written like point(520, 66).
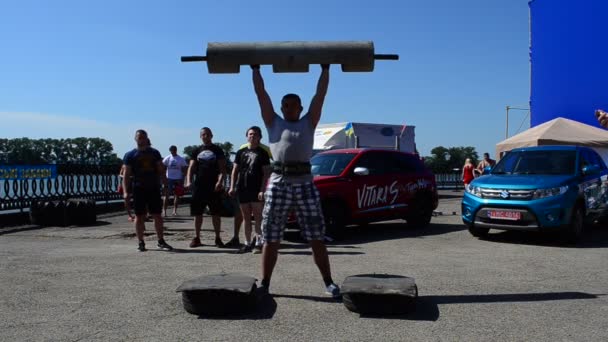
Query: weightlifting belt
point(291, 168)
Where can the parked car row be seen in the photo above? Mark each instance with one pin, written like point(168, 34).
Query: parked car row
point(533, 188)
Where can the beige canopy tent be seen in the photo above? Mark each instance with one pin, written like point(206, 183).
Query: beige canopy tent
point(559, 131)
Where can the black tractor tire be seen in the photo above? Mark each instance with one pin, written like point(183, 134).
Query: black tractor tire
point(37, 213)
point(58, 217)
point(576, 228)
point(421, 211)
point(81, 211)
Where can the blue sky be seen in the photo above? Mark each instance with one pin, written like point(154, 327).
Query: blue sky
point(107, 68)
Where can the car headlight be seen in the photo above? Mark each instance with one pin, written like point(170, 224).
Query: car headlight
point(543, 193)
point(473, 190)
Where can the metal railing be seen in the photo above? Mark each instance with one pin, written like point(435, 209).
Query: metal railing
point(449, 181)
point(96, 182)
point(100, 183)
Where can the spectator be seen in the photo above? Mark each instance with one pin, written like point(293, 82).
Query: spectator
point(175, 166)
point(485, 163)
point(208, 162)
point(121, 191)
point(248, 181)
point(468, 172)
point(602, 117)
point(144, 164)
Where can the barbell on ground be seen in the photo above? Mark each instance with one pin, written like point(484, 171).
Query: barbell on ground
point(290, 56)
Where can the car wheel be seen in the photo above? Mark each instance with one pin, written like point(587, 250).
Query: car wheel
point(478, 232)
point(335, 219)
point(576, 227)
point(421, 212)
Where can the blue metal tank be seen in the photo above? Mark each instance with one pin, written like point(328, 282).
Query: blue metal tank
point(569, 59)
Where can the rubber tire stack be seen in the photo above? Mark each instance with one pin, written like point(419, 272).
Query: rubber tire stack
point(63, 213)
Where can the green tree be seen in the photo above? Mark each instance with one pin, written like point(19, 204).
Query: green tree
point(22, 151)
point(43, 151)
point(188, 150)
point(3, 151)
point(225, 146)
point(448, 160)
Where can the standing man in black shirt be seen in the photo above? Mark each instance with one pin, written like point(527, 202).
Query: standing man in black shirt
point(208, 163)
point(144, 166)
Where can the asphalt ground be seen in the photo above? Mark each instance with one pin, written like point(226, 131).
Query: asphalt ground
point(90, 284)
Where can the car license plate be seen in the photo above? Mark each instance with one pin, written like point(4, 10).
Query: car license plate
point(504, 215)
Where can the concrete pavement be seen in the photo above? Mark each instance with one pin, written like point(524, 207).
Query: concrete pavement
point(90, 283)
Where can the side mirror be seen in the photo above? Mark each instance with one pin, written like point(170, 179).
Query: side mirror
point(486, 170)
point(591, 170)
point(361, 171)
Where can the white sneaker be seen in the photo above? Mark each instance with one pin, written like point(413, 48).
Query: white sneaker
point(333, 290)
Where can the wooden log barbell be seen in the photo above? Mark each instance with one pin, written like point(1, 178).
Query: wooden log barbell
point(291, 56)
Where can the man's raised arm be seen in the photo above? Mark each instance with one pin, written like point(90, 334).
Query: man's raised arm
point(316, 105)
point(263, 98)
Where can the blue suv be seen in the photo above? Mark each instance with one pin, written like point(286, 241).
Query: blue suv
point(538, 188)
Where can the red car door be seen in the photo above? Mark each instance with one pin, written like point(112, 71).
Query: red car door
point(374, 193)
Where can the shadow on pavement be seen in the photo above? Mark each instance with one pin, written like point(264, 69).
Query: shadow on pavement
point(594, 237)
point(510, 297)
point(265, 309)
point(390, 231)
point(450, 195)
point(330, 252)
point(202, 250)
point(311, 298)
point(177, 219)
point(427, 307)
point(19, 229)
point(12, 230)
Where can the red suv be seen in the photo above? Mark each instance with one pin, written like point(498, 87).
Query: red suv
point(363, 185)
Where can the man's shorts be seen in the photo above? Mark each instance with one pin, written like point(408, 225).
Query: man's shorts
point(248, 196)
point(171, 183)
point(202, 199)
point(280, 197)
point(147, 200)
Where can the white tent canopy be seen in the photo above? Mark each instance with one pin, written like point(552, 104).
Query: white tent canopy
point(329, 135)
point(559, 131)
point(342, 135)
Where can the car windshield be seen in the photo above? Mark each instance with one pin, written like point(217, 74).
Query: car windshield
point(537, 162)
point(330, 164)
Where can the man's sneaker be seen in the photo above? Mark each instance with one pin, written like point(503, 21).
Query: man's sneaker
point(163, 245)
point(245, 249)
point(333, 290)
point(196, 242)
point(233, 243)
point(262, 292)
point(257, 249)
point(218, 242)
point(142, 246)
